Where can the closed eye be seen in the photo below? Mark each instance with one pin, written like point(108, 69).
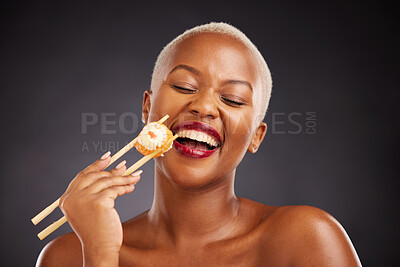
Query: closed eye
point(232, 102)
point(184, 90)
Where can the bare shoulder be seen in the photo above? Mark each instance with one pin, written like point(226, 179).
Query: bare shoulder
point(62, 251)
point(138, 232)
point(311, 236)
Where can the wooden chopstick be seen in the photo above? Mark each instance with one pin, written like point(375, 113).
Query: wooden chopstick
point(54, 226)
point(44, 213)
point(51, 228)
point(146, 158)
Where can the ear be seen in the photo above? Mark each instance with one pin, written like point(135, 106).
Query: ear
point(257, 138)
point(146, 106)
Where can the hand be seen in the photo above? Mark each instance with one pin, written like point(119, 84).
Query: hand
point(88, 204)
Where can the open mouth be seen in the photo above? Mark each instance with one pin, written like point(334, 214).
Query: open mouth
point(192, 144)
point(196, 139)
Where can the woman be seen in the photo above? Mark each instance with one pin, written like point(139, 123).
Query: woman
point(211, 79)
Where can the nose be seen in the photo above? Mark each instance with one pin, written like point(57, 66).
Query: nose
point(204, 105)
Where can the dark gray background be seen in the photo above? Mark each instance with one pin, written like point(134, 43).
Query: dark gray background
point(340, 60)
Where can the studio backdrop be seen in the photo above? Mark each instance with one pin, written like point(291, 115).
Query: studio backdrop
point(72, 81)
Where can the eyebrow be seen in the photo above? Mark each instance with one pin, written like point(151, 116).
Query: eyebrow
point(239, 82)
point(185, 67)
point(197, 72)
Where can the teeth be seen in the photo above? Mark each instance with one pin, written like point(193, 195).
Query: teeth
point(202, 137)
point(210, 141)
point(198, 136)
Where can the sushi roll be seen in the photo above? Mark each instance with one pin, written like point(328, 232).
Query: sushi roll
point(152, 137)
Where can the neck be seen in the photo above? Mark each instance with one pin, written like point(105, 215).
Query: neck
point(185, 214)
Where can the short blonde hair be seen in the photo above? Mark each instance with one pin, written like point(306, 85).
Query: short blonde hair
point(225, 29)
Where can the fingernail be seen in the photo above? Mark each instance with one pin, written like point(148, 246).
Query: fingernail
point(136, 173)
point(121, 164)
point(106, 155)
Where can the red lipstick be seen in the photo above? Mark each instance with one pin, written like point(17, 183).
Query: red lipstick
point(190, 151)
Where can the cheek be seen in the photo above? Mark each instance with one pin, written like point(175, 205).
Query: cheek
point(164, 102)
point(238, 124)
point(238, 133)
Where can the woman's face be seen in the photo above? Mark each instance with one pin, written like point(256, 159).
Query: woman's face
point(214, 80)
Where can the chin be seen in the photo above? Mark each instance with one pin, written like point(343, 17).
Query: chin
point(190, 174)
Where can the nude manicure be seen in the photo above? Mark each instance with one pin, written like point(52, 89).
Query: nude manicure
point(137, 173)
point(121, 164)
point(106, 155)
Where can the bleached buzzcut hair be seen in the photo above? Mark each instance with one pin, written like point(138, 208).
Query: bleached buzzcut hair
point(224, 29)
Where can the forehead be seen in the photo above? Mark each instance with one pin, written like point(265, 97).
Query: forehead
point(217, 55)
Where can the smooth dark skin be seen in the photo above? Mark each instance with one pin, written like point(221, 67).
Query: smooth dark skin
point(196, 219)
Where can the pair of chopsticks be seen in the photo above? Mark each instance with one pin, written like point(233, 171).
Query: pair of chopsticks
point(43, 214)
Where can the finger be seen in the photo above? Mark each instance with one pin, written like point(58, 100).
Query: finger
point(120, 169)
point(99, 164)
point(108, 182)
point(116, 191)
point(85, 181)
